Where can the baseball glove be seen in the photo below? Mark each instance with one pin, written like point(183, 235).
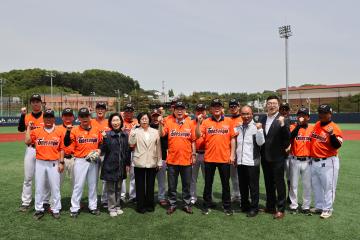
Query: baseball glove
point(93, 157)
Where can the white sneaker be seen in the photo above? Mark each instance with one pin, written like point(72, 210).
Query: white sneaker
point(193, 201)
point(113, 214)
point(326, 214)
point(119, 211)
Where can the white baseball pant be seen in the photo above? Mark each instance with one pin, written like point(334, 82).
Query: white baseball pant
point(46, 173)
point(29, 172)
point(161, 179)
point(300, 169)
point(195, 173)
point(68, 170)
point(324, 176)
point(84, 171)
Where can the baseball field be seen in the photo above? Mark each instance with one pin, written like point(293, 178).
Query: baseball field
point(131, 225)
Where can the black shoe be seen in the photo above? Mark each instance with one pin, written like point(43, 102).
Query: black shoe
point(104, 205)
point(132, 200)
point(38, 215)
point(24, 208)
point(252, 213)
point(306, 212)
point(141, 211)
point(74, 214)
point(150, 209)
point(95, 212)
point(228, 212)
point(206, 211)
point(212, 205)
point(56, 215)
point(293, 211)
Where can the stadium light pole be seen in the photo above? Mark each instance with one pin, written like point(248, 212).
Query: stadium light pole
point(285, 32)
point(2, 81)
point(119, 98)
point(51, 75)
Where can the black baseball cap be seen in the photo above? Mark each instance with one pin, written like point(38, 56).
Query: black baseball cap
point(233, 102)
point(180, 104)
point(84, 112)
point(303, 110)
point(216, 102)
point(324, 108)
point(48, 113)
point(284, 105)
point(200, 107)
point(155, 112)
point(100, 105)
point(129, 107)
point(35, 97)
point(67, 111)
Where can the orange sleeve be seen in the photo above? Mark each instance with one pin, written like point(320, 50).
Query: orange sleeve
point(33, 136)
point(203, 129)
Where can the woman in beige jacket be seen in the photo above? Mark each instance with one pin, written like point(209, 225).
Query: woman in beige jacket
point(147, 160)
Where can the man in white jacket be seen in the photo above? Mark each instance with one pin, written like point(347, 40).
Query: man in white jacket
point(249, 139)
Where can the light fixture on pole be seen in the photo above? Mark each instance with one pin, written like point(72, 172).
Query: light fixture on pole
point(51, 75)
point(285, 32)
point(2, 82)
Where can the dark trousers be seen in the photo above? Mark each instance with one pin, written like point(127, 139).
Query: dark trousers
point(274, 183)
point(224, 171)
point(249, 182)
point(144, 184)
point(173, 172)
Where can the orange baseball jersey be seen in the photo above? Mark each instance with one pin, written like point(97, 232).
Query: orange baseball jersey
point(47, 145)
point(69, 149)
point(103, 125)
point(217, 137)
point(320, 140)
point(180, 138)
point(85, 141)
point(236, 121)
point(37, 122)
point(301, 144)
point(129, 125)
point(200, 144)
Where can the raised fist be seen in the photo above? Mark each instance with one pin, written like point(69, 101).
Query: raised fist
point(200, 118)
point(258, 125)
point(301, 120)
point(103, 133)
point(161, 119)
point(281, 119)
point(69, 127)
point(23, 110)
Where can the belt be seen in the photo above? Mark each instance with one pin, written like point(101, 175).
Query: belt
point(200, 151)
point(320, 159)
point(301, 158)
point(31, 145)
point(68, 156)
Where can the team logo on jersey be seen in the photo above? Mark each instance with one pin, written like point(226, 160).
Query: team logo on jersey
point(174, 133)
point(303, 138)
point(217, 131)
point(51, 143)
point(318, 137)
point(83, 140)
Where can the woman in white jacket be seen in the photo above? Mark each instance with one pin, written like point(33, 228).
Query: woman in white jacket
point(249, 139)
point(147, 160)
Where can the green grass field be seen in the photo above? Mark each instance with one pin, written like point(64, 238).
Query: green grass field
point(131, 225)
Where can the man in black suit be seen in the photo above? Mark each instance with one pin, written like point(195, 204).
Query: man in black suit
point(273, 156)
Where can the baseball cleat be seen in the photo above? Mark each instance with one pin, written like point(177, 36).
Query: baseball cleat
point(95, 212)
point(38, 215)
point(326, 214)
point(24, 208)
point(228, 212)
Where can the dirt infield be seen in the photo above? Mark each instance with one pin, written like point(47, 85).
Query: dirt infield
point(349, 135)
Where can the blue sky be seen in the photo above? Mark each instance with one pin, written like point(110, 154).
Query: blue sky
point(192, 45)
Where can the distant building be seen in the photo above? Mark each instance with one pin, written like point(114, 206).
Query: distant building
point(316, 95)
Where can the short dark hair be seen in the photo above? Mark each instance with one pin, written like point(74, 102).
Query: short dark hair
point(112, 116)
point(273, 97)
point(140, 115)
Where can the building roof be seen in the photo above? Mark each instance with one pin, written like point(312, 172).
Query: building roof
point(321, 87)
